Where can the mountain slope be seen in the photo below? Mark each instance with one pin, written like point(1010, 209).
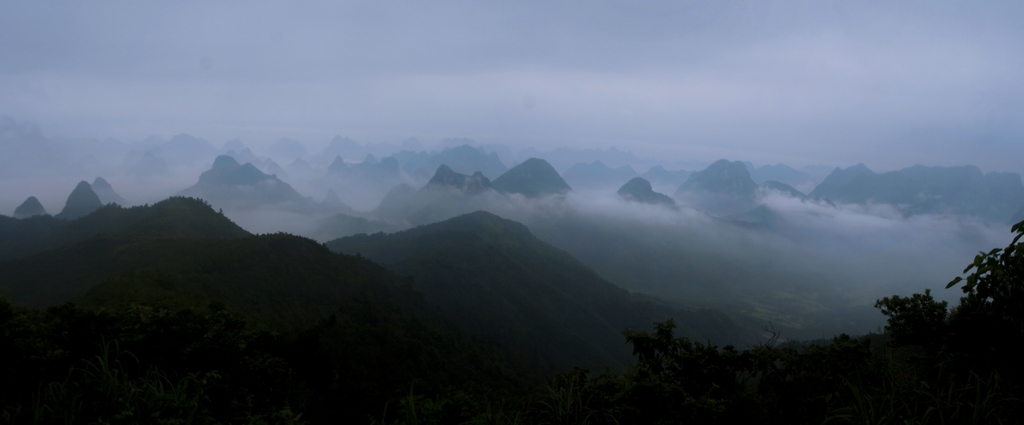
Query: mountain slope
point(243, 185)
point(723, 187)
point(81, 201)
point(783, 188)
point(462, 159)
point(928, 190)
point(639, 190)
point(173, 217)
point(533, 178)
point(106, 192)
point(446, 178)
point(31, 207)
point(357, 333)
point(496, 280)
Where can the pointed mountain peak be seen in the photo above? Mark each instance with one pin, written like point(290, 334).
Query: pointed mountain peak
point(338, 165)
point(224, 162)
point(333, 202)
point(31, 207)
point(100, 182)
point(82, 201)
point(370, 159)
point(227, 171)
point(535, 177)
point(723, 176)
point(445, 177)
point(639, 190)
point(106, 192)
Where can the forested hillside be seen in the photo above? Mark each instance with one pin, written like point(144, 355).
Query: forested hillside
point(173, 314)
point(494, 278)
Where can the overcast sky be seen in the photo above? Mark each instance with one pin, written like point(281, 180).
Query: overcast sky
point(886, 83)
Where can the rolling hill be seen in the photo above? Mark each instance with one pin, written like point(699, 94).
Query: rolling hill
point(494, 279)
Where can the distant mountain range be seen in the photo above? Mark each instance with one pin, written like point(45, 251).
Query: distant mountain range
point(446, 178)
point(639, 190)
point(243, 185)
point(658, 175)
point(728, 189)
point(779, 172)
point(929, 190)
point(533, 178)
point(464, 159)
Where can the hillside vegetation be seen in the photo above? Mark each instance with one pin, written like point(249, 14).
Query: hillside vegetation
point(172, 314)
point(495, 279)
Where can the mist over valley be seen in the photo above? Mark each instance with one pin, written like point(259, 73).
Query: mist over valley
point(508, 213)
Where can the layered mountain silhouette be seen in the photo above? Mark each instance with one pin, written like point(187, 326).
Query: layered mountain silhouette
point(639, 190)
point(928, 190)
point(778, 172)
point(596, 175)
point(533, 178)
point(342, 147)
point(359, 330)
point(447, 194)
point(30, 208)
point(243, 185)
point(723, 188)
point(446, 178)
point(144, 166)
point(726, 189)
point(106, 192)
point(464, 159)
point(332, 202)
point(81, 202)
point(660, 176)
point(370, 169)
point(497, 281)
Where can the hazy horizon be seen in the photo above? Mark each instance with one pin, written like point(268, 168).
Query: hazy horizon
point(889, 85)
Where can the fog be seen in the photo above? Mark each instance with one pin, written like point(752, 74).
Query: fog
point(148, 95)
point(800, 83)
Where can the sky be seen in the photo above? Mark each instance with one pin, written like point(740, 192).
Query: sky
point(889, 84)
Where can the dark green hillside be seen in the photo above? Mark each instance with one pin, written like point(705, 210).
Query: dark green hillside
point(280, 279)
point(495, 279)
point(173, 217)
point(347, 334)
